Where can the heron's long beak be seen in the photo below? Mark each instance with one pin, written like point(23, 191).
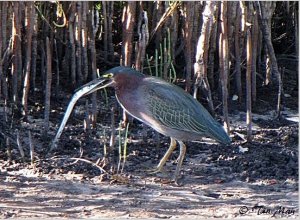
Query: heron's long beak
point(93, 86)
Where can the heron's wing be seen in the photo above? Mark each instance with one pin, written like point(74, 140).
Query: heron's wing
point(174, 108)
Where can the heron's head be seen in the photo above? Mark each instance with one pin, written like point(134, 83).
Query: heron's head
point(116, 77)
point(122, 75)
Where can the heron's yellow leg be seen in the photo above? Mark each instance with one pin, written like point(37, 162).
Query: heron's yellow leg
point(180, 159)
point(165, 157)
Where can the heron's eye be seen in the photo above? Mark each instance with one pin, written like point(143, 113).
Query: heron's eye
point(108, 75)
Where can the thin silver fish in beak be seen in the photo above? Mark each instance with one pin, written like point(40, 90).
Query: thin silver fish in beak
point(84, 90)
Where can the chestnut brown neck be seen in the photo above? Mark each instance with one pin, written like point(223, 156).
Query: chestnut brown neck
point(126, 83)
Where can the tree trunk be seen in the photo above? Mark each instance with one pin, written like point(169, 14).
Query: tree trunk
point(105, 29)
point(84, 33)
point(212, 48)
point(188, 33)
point(154, 18)
point(265, 11)
point(110, 12)
point(159, 14)
point(197, 24)
point(201, 64)
point(29, 19)
point(5, 8)
point(16, 33)
point(78, 43)
point(265, 14)
point(238, 81)
point(248, 87)
point(164, 58)
point(2, 79)
point(296, 25)
point(174, 32)
point(128, 21)
point(72, 43)
point(254, 37)
point(34, 49)
point(231, 15)
point(224, 63)
point(92, 27)
point(57, 82)
point(21, 18)
point(4, 23)
point(259, 53)
point(48, 87)
point(142, 43)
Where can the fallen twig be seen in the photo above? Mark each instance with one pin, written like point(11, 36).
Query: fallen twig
point(90, 162)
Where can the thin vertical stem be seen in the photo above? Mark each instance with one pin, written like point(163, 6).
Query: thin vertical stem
point(120, 146)
point(78, 43)
point(84, 33)
point(110, 10)
point(156, 62)
point(34, 49)
point(15, 50)
point(93, 29)
point(20, 146)
point(238, 81)
point(248, 87)
point(72, 43)
point(31, 148)
point(29, 29)
point(280, 91)
point(161, 61)
point(48, 86)
point(1, 63)
point(105, 29)
point(225, 63)
point(125, 147)
point(255, 42)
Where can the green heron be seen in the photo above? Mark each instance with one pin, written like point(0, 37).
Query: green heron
point(165, 107)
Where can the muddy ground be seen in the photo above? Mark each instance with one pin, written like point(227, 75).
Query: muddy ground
point(257, 180)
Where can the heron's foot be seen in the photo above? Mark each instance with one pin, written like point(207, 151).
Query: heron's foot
point(156, 170)
point(178, 176)
point(177, 179)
